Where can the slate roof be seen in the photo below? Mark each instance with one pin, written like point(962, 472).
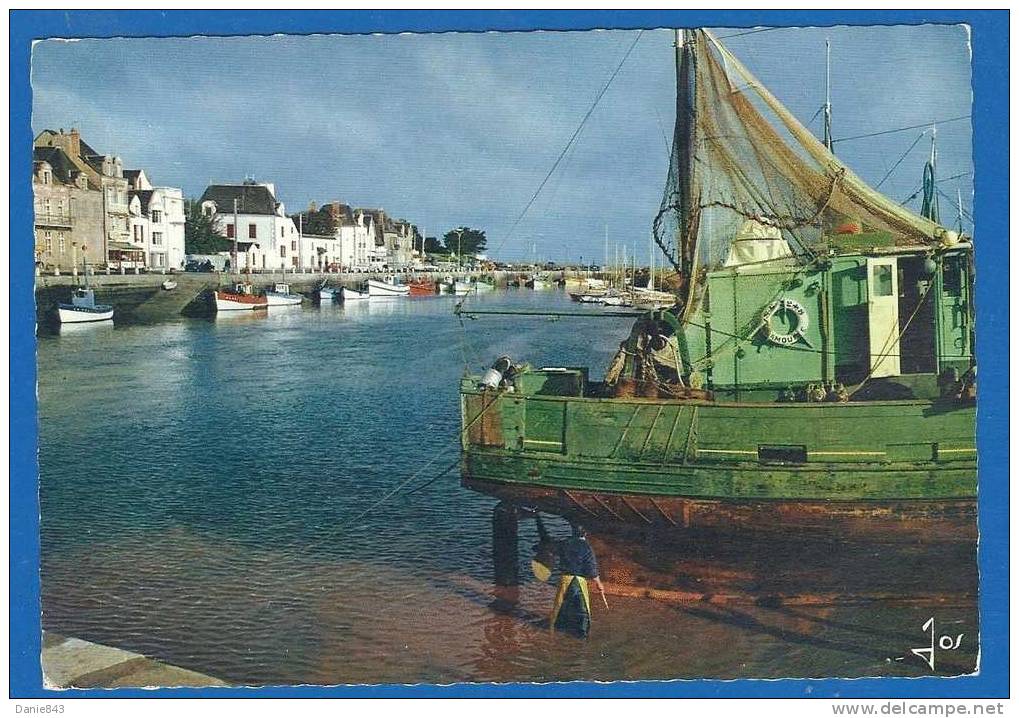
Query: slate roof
point(251, 198)
point(144, 196)
point(64, 170)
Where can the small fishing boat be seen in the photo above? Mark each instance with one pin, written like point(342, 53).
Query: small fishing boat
point(387, 288)
point(326, 295)
point(537, 282)
point(352, 295)
point(242, 297)
point(422, 288)
point(281, 296)
point(169, 285)
point(83, 308)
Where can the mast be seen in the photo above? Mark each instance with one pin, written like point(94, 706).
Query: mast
point(683, 142)
point(236, 230)
point(959, 208)
point(605, 264)
point(651, 261)
point(929, 208)
point(827, 96)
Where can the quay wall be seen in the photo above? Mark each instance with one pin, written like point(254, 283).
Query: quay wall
point(141, 298)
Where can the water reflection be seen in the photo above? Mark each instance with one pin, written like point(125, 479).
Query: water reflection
point(196, 477)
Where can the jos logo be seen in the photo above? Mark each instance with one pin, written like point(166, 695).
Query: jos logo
point(945, 642)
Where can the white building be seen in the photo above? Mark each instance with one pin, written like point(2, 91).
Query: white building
point(267, 238)
point(156, 222)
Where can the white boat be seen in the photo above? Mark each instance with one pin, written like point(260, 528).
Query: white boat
point(387, 288)
point(169, 285)
point(538, 282)
point(326, 295)
point(281, 296)
point(352, 295)
point(242, 297)
point(460, 288)
point(83, 308)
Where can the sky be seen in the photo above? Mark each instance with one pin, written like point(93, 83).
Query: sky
point(451, 129)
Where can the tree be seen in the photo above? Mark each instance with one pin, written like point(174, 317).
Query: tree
point(465, 241)
point(321, 222)
point(432, 246)
point(200, 235)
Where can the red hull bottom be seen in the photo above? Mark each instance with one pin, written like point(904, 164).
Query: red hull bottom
point(668, 517)
point(789, 553)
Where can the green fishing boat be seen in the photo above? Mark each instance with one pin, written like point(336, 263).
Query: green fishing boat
point(815, 376)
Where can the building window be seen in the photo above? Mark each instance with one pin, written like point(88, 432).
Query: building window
point(157, 216)
point(60, 242)
point(293, 246)
point(281, 232)
point(229, 231)
point(47, 205)
point(49, 241)
point(252, 231)
point(283, 251)
point(157, 239)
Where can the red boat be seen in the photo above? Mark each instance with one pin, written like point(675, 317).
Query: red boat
point(422, 288)
point(242, 297)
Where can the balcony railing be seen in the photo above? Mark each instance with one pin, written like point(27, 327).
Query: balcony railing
point(44, 219)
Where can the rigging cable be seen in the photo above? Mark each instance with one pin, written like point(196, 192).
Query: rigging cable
point(573, 138)
point(899, 162)
point(342, 525)
point(902, 129)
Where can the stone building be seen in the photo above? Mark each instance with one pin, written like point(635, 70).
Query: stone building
point(83, 202)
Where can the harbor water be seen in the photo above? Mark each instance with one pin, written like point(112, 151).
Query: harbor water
point(198, 481)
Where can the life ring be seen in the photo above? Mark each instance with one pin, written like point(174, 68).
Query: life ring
point(793, 335)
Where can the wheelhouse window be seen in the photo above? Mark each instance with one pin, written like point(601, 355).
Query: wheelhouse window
point(882, 283)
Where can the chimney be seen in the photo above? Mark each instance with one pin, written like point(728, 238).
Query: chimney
point(75, 142)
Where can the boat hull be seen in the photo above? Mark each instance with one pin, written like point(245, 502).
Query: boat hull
point(352, 295)
point(275, 299)
point(326, 296)
point(229, 302)
point(69, 314)
point(678, 518)
point(422, 289)
point(382, 289)
point(895, 469)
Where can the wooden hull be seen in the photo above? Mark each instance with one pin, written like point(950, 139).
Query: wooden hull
point(230, 302)
point(352, 295)
point(422, 289)
point(866, 469)
point(326, 296)
point(382, 289)
point(929, 522)
point(275, 299)
point(68, 314)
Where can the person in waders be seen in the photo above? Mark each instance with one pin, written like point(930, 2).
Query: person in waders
point(571, 610)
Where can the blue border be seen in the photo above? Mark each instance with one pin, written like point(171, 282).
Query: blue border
point(990, 42)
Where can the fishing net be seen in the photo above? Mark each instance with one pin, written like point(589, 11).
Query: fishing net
point(748, 183)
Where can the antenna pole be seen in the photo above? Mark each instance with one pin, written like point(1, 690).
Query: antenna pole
point(959, 200)
point(827, 96)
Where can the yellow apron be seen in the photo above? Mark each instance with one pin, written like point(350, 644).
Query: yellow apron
point(564, 584)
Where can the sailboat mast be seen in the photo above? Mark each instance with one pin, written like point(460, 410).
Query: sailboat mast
point(605, 264)
point(827, 96)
